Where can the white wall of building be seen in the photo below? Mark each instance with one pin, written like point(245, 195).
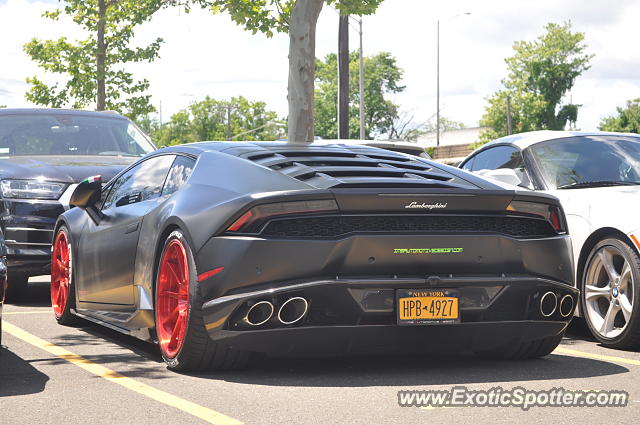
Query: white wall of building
point(452, 137)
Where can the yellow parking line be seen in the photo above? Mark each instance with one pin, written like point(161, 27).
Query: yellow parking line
point(27, 312)
point(571, 352)
point(196, 410)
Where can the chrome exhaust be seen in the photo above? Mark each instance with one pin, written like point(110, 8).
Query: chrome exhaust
point(566, 305)
point(293, 310)
point(259, 313)
point(548, 304)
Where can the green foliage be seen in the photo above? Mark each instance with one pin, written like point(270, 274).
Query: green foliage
point(541, 72)
point(446, 124)
point(627, 120)
point(208, 120)
point(85, 64)
point(404, 127)
point(269, 16)
point(382, 77)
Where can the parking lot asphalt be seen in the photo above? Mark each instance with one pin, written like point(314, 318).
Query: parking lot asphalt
point(92, 375)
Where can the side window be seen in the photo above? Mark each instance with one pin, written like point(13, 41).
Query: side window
point(494, 158)
point(141, 183)
point(178, 175)
point(502, 157)
point(469, 164)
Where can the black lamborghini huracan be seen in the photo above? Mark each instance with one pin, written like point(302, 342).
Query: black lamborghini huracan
point(220, 250)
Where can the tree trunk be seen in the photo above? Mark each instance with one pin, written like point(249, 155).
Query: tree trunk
point(302, 64)
point(101, 97)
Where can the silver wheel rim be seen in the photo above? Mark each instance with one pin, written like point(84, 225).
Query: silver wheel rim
point(609, 292)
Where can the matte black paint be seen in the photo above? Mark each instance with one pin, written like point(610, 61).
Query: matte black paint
point(115, 268)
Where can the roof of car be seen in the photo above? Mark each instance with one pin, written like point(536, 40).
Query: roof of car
point(235, 148)
point(524, 140)
point(324, 164)
point(48, 111)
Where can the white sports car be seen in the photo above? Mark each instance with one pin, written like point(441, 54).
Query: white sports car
point(596, 176)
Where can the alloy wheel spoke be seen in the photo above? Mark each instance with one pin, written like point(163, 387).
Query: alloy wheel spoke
point(609, 318)
point(172, 269)
point(175, 332)
point(625, 306)
point(59, 298)
point(592, 291)
point(170, 294)
point(607, 262)
point(626, 276)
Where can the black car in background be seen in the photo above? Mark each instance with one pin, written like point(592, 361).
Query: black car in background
point(3, 280)
point(44, 153)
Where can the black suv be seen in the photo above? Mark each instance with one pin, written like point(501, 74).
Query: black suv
point(44, 153)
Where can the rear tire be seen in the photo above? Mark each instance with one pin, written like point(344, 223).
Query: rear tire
point(523, 350)
point(178, 303)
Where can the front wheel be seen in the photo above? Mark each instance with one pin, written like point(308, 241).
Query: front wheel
point(608, 298)
point(63, 296)
point(183, 339)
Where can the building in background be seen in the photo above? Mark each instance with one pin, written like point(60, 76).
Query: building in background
point(454, 144)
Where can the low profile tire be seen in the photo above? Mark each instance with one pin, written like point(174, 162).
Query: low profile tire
point(524, 350)
point(183, 339)
point(63, 294)
point(610, 293)
point(17, 286)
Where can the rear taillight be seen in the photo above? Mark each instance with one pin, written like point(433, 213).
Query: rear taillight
point(250, 220)
point(551, 213)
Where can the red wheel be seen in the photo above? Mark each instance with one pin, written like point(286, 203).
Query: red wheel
point(60, 273)
point(172, 309)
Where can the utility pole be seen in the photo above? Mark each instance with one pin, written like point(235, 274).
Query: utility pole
point(230, 107)
point(361, 84)
point(343, 77)
point(438, 85)
point(509, 128)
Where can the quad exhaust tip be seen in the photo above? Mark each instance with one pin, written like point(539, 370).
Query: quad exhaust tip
point(566, 305)
point(548, 304)
point(259, 313)
point(293, 310)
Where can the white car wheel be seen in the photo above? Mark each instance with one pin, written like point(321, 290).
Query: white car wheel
point(609, 293)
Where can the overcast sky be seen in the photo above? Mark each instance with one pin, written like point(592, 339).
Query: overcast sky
point(205, 54)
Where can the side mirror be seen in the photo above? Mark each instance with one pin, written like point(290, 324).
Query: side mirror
point(504, 175)
point(87, 193)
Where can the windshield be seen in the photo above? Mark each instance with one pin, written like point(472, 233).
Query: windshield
point(65, 134)
point(589, 160)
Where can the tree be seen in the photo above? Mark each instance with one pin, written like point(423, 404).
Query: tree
point(627, 120)
point(405, 127)
point(299, 18)
point(382, 77)
point(93, 67)
point(209, 120)
point(541, 72)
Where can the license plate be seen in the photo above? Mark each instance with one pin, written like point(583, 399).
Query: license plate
point(427, 306)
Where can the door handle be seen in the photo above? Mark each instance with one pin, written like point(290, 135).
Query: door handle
point(131, 228)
